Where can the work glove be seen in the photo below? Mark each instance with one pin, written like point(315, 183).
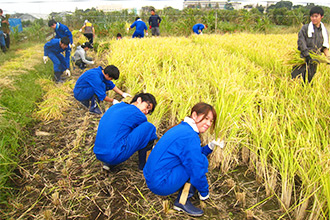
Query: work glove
point(72, 45)
point(92, 62)
point(308, 59)
point(67, 72)
point(127, 29)
point(150, 27)
point(217, 142)
point(147, 34)
point(115, 101)
point(203, 197)
point(125, 95)
point(45, 59)
point(80, 30)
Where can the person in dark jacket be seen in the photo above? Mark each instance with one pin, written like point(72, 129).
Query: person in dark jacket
point(53, 49)
point(154, 21)
point(178, 158)
point(92, 85)
point(140, 26)
point(312, 37)
point(124, 129)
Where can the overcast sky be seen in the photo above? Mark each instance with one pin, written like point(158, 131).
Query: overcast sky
point(48, 6)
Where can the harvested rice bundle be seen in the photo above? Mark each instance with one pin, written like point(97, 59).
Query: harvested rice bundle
point(294, 59)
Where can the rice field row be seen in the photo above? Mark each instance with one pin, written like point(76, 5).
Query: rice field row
point(277, 126)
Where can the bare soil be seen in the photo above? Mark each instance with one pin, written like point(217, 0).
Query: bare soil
point(59, 178)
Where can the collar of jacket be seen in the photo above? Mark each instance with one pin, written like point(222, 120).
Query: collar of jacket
point(192, 123)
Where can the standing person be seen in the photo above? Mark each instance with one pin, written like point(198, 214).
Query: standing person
point(80, 57)
point(2, 37)
point(124, 129)
point(91, 87)
point(178, 158)
point(198, 28)
point(62, 31)
point(312, 37)
point(53, 49)
point(140, 27)
point(154, 21)
point(89, 31)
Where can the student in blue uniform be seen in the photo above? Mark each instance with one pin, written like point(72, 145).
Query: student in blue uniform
point(198, 28)
point(124, 129)
point(61, 30)
point(53, 49)
point(91, 87)
point(178, 158)
point(140, 26)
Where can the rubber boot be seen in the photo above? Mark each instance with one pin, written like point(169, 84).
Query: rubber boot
point(57, 76)
point(95, 106)
point(143, 154)
point(188, 208)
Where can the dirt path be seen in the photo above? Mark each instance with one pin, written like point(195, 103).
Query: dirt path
point(59, 178)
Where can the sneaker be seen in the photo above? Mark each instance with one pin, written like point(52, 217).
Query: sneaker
point(188, 208)
point(106, 167)
point(85, 103)
point(96, 110)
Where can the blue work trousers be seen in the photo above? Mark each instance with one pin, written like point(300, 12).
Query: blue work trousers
point(136, 140)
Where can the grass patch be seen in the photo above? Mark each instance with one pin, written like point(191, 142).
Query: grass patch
point(16, 108)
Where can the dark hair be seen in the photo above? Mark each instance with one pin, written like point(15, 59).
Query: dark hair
point(51, 22)
point(1, 10)
point(204, 108)
point(137, 18)
point(146, 97)
point(112, 71)
point(65, 40)
point(316, 10)
point(152, 10)
point(118, 35)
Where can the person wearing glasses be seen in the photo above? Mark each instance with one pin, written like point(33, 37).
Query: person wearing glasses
point(124, 129)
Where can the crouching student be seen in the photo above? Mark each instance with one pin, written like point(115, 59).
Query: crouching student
point(91, 87)
point(124, 129)
point(178, 158)
point(53, 50)
point(80, 57)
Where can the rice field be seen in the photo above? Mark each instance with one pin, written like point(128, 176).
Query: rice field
point(276, 126)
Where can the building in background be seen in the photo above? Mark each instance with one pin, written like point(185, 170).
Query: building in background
point(114, 7)
point(212, 4)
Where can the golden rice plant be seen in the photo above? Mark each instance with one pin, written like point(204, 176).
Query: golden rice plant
point(55, 101)
point(282, 125)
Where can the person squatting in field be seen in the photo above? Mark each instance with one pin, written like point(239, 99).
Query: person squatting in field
point(124, 129)
point(140, 26)
point(53, 50)
point(312, 37)
point(154, 21)
point(198, 28)
point(80, 58)
point(91, 87)
point(178, 158)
